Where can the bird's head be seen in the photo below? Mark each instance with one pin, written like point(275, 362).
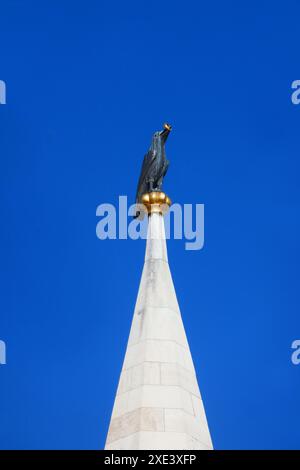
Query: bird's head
point(160, 137)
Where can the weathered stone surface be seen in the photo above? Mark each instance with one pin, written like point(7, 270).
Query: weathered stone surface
point(140, 419)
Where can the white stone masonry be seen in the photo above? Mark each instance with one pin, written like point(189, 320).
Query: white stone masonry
point(158, 404)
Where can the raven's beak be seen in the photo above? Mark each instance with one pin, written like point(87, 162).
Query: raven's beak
point(166, 131)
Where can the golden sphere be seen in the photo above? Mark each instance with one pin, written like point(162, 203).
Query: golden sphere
point(156, 201)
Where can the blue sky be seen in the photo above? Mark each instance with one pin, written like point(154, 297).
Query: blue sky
point(87, 84)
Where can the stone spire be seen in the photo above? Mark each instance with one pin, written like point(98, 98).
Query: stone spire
point(158, 404)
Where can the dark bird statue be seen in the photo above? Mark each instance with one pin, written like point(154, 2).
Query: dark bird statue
point(155, 165)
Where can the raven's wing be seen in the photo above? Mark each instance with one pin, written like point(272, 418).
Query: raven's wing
point(148, 161)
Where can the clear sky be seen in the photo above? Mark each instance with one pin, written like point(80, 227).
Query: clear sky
point(87, 84)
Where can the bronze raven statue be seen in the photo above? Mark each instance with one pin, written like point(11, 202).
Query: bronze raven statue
point(155, 165)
